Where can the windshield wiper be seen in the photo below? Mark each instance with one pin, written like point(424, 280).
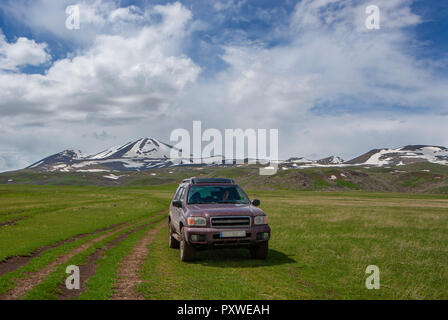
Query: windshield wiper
point(228, 202)
point(202, 202)
point(209, 202)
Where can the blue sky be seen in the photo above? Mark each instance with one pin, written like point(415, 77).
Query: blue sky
point(434, 29)
point(144, 68)
point(246, 22)
point(249, 22)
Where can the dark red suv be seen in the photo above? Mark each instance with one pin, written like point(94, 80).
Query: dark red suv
point(216, 213)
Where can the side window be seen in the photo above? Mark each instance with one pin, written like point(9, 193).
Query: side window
point(176, 194)
point(182, 194)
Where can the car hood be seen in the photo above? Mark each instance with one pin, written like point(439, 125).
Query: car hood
point(223, 209)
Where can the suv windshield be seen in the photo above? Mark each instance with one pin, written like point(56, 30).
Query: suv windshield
point(216, 194)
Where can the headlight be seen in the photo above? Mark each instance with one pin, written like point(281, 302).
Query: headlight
point(261, 220)
point(196, 221)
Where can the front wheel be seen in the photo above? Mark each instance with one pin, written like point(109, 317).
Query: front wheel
point(173, 243)
point(186, 250)
point(260, 251)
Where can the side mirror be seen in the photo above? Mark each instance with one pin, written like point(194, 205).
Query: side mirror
point(177, 203)
point(256, 202)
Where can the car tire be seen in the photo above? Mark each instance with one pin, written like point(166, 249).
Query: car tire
point(186, 250)
point(173, 243)
point(260, 251)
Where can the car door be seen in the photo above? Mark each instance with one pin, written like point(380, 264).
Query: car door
point(173, 209)
point(179, 211)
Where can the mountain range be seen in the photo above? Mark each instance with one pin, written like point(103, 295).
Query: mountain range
point(150, 153)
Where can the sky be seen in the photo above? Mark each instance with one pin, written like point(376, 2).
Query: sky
point(133, 69)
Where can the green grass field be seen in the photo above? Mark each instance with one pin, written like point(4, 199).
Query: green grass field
point(321, 244)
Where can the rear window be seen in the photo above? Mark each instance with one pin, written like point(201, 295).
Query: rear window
point(216, 194)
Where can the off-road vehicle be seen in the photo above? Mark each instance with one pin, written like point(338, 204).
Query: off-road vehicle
point(216, 213)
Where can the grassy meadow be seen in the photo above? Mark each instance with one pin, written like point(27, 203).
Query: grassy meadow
point(321, 244)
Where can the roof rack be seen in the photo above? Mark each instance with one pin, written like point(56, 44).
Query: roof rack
point(187, 180)
point(211, 180)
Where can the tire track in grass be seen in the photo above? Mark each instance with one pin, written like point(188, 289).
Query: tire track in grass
point(12, 222)
point(26, 284)
point(8, 280)
point(214, 274)
point(48, 288)
point(12, 263)
point(88, 269)
point(129, 275)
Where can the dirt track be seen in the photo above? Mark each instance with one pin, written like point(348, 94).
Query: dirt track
point(13, 263)
point(128, 277)
point(23, 285)
point(88, 269)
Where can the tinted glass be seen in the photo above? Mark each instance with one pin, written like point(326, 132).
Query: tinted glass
point(216, 194)
point(182, 193)
point(176, 195)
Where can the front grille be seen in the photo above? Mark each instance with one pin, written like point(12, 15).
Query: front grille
point(231, 242)
point(217, 236)
point(230, 222)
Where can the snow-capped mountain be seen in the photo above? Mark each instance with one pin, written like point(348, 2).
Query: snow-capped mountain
point(145, 148)
point(142, 154)
point(64, 157)
point(401, 156)
point(145, 153)
point(303, 162)
point(299, 161)
point(148, 153)
point(330, 160)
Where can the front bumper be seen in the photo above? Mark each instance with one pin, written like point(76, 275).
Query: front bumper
point(210, 237)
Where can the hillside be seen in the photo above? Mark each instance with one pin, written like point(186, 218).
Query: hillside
point(413, 178)
point(150, 153)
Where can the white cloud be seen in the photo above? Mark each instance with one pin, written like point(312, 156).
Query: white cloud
point(132, 76)
point(99, 17)
point(118, 80)
point(349, 136)
point(22, 52)
point(117, 77)
point(330, 61)
point(333, 61)
point(341, 16)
